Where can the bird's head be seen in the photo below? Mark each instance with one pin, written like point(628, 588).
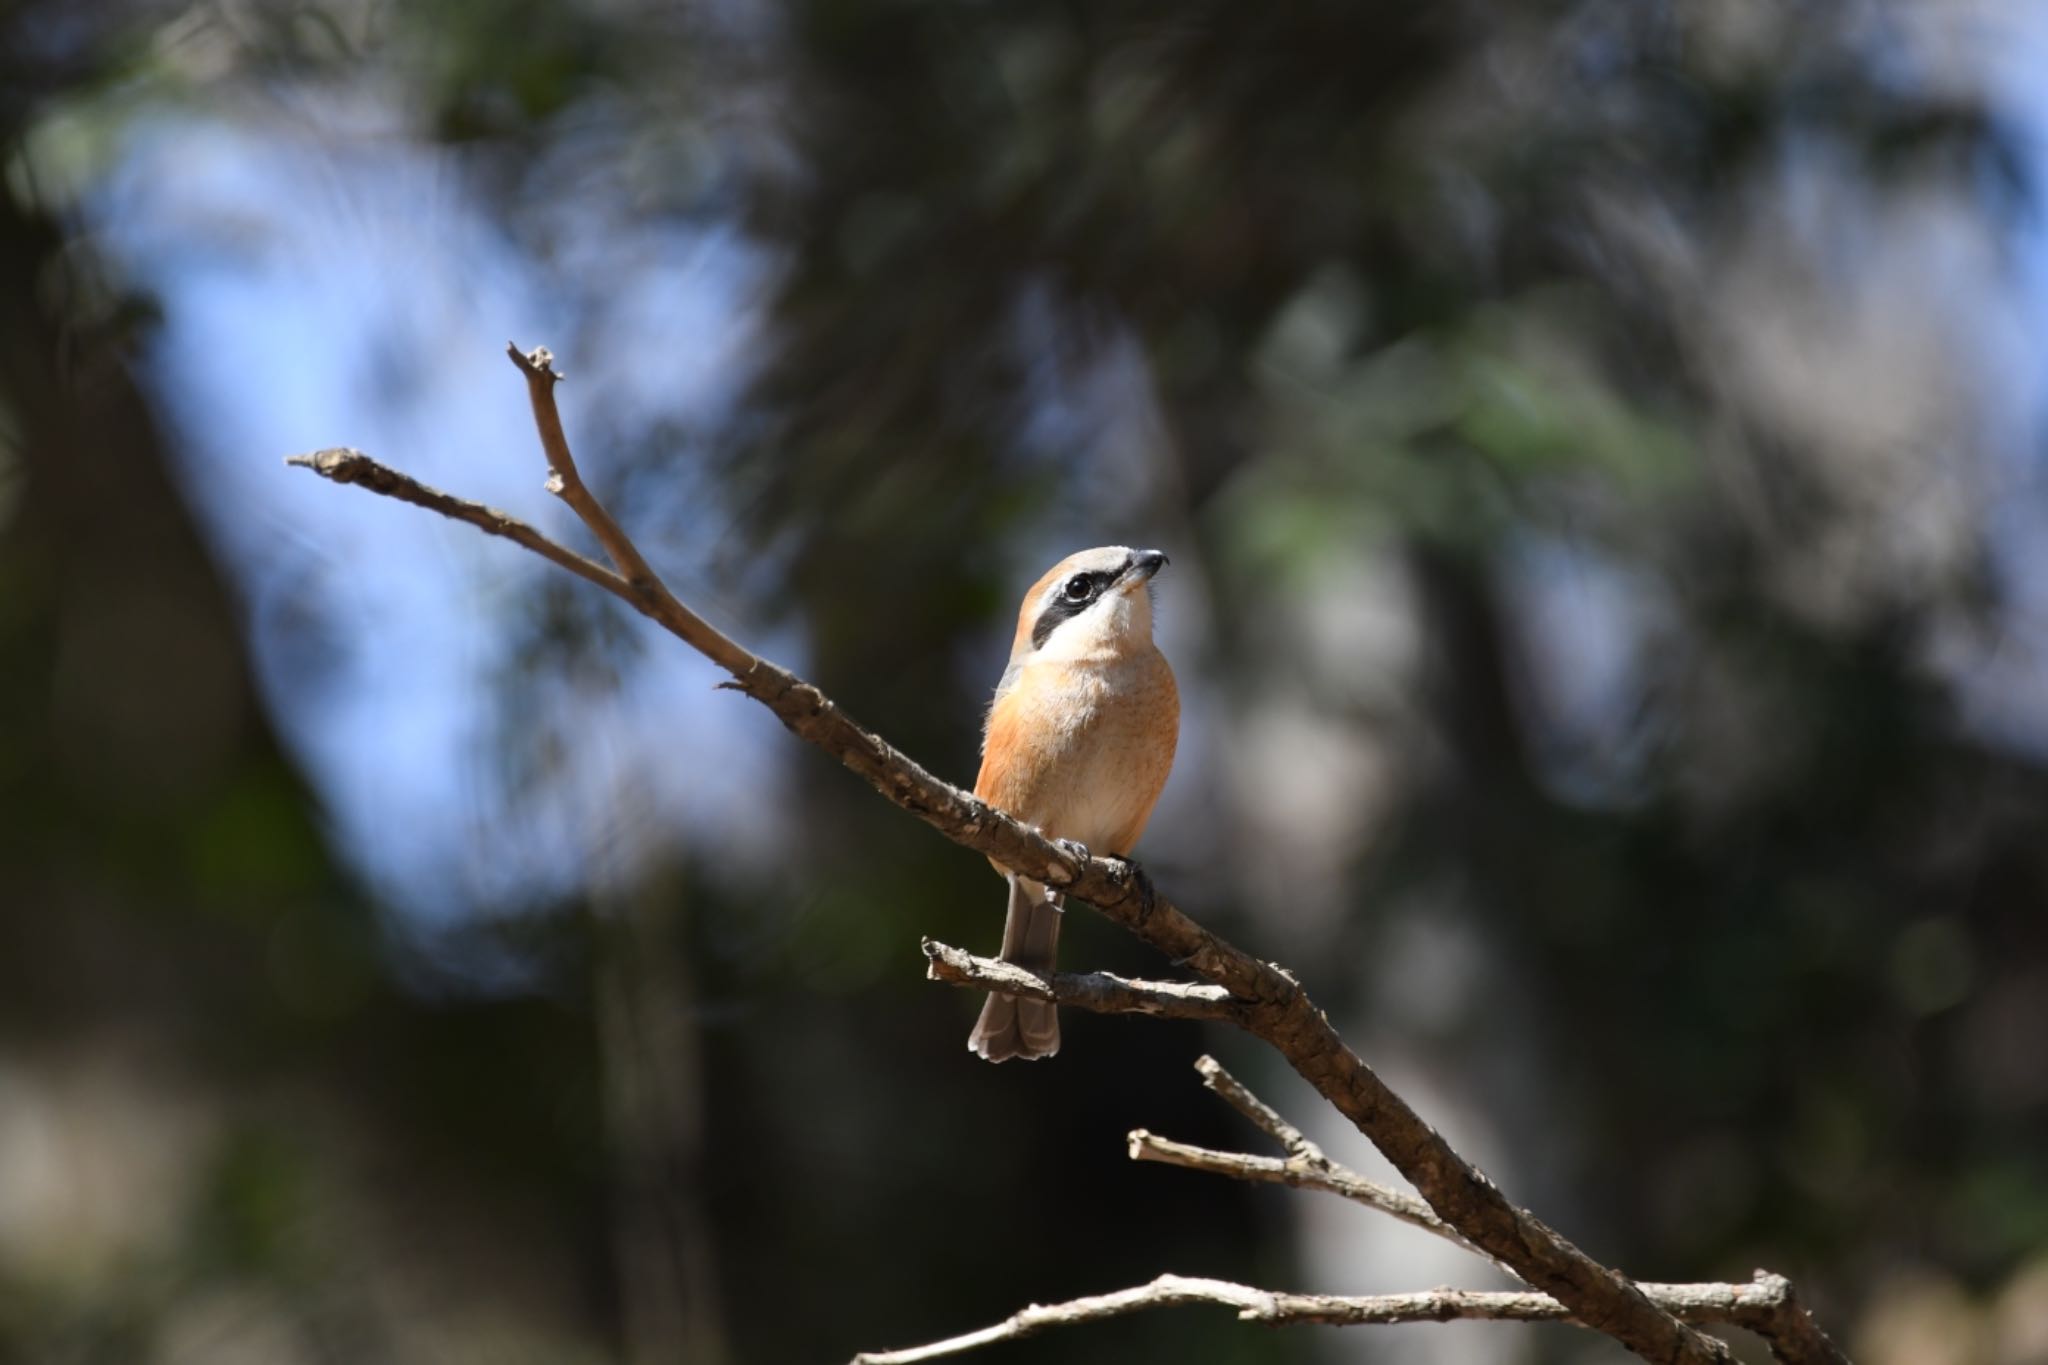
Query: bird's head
point(1093, 602)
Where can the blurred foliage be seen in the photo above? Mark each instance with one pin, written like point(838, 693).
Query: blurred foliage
point(1409, 332)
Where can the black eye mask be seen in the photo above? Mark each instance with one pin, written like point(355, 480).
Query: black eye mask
point(1064, 607)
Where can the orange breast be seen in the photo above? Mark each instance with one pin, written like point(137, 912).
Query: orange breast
point(1082, 749)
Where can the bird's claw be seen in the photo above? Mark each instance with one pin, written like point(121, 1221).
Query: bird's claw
point(1073, 848)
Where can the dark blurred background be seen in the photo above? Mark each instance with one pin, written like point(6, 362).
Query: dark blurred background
point(1599, 445)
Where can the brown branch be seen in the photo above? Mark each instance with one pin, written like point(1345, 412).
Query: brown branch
point(1097, 991)
point(1275, 1007)
point(1756, 1306)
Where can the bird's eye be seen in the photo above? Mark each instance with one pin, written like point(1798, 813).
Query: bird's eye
point(1078, 587)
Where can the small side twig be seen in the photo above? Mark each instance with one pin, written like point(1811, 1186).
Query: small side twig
point(345, 466)
point(1267, 1119)
point(1271, 1170)
point(565, 480)
point(1101, 992)
point(645, 588)
point(1305, 1166)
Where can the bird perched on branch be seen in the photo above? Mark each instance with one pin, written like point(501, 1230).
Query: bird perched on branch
point(1079, 740)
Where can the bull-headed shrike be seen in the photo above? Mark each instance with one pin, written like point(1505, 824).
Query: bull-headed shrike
point(1079, 741)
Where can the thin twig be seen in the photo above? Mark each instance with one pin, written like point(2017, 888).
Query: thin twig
point(1756, 1306)
point(1277, 1010)
point(1305, 1166)
point(342, 465)
point(1101, 992)
point(565, 481)
point(1273, 1170)
point(644, 588)
point(1238, 1096)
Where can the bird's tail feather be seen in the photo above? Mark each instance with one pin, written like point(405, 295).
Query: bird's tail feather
point(1010, 1027)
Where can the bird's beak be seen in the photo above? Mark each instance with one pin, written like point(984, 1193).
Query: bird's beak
point(1144, 564)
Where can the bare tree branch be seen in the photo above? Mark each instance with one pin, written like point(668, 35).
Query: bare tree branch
point(1097, 991)
point(1275, 1007)
point(1756, 1306)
